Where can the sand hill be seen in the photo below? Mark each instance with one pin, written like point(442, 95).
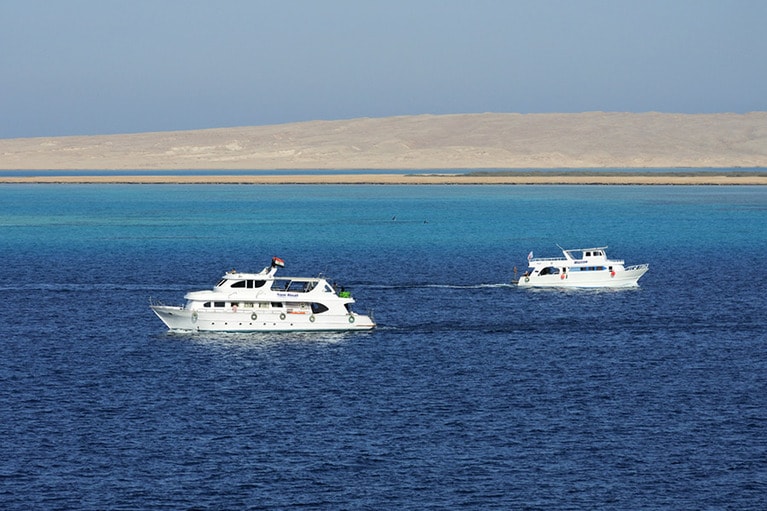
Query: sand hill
point(463, 141)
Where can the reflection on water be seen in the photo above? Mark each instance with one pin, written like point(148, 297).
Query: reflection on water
point(261, 340)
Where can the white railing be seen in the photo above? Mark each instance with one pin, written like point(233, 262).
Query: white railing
point(548, 259)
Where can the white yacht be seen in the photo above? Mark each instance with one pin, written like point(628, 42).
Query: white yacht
point(581, 268)
point(262, 302)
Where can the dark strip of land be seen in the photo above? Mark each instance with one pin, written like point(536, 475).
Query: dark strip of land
point(471, 178)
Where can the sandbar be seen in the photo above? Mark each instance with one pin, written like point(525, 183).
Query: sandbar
point(505, 178)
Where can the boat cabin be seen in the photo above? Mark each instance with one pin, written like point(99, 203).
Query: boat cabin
point(285, 284)
point(582, 254)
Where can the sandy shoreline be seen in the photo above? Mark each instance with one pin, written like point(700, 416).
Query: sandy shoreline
point(527, 178)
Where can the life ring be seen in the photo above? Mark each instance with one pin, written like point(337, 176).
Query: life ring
point(351, 319)
point(282, 315)
point(612, 273)
point(312, 318)
point(562, 276)
point(254, 316)
point(527, 279)
point(194, 317)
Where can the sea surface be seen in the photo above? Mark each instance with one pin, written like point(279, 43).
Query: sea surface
point(470, 393)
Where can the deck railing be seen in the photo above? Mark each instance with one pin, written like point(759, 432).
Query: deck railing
point(548, 259)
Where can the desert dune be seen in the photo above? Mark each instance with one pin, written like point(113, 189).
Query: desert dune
point(595, 140)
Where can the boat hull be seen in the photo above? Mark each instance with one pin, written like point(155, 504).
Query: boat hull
point(182, 319)
point(584, 280)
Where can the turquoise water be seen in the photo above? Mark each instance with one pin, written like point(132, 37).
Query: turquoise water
point(470, 393)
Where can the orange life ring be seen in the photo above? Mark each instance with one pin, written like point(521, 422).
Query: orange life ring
point(562, 276)
point(612, 273)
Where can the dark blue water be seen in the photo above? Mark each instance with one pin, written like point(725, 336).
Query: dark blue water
point(470, 393)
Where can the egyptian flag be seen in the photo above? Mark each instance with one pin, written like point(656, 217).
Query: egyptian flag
point(276, 261)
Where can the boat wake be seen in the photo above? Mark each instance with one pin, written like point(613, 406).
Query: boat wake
point(439, 286)
point(580, 290)
point(255, 340)
point(72, 287)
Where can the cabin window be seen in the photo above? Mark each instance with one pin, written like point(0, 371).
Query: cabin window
point(219, 304)
point(277, 305)
point(549, 270)
point(248, 305)
point(298, 286)
point(206, 304)
point(263, 305)
point(318, 308)
point(220, 282)
point(249, 284)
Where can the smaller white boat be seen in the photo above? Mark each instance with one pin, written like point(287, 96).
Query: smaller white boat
point(580, 268)
point(262, 302)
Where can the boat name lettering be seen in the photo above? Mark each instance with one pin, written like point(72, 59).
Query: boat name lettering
point(292, 295)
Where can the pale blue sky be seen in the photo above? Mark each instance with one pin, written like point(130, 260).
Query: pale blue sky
point(114, 66)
